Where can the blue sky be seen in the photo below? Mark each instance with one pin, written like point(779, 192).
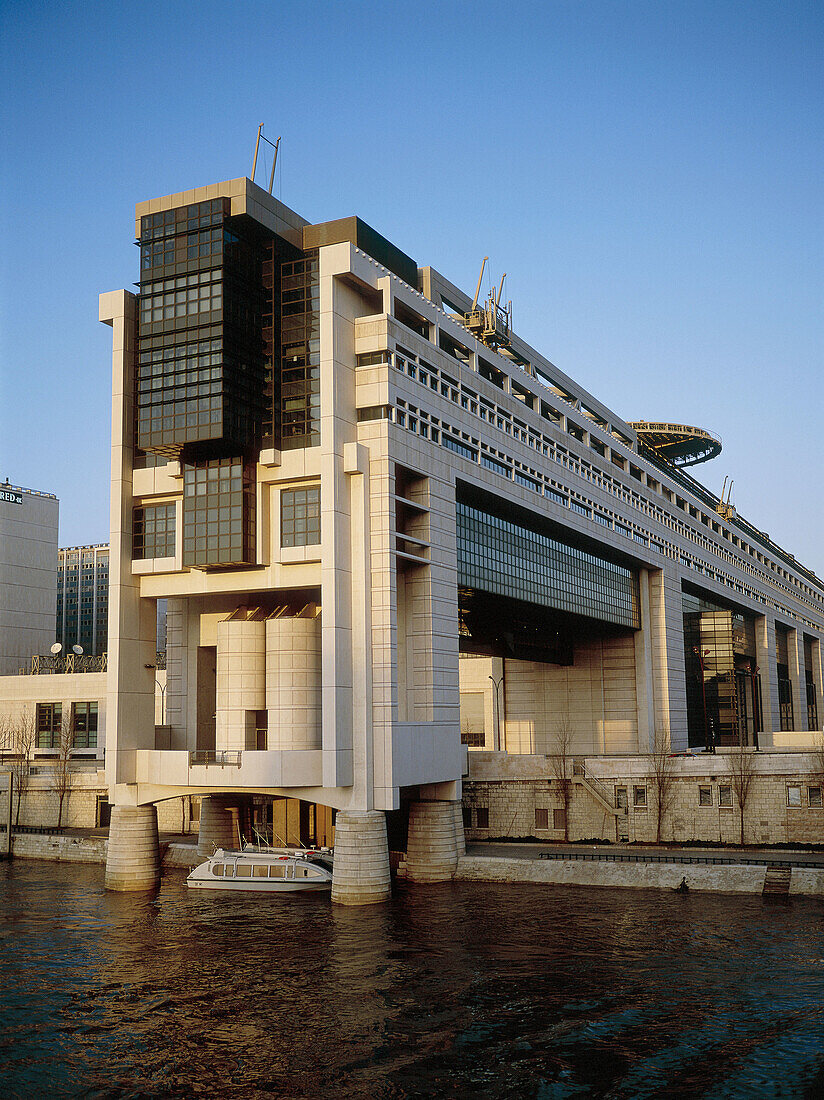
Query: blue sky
point(649, 174)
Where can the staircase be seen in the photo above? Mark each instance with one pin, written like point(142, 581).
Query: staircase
point(777, 880)
point(596, 788)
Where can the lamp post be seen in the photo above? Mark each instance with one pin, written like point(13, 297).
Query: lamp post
point(498, 684)
point(162, 701)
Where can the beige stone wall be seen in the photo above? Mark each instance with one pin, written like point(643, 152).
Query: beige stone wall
point(510, 801)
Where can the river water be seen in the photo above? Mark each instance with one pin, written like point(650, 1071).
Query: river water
point(467, 989)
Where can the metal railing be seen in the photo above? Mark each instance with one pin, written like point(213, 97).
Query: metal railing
point(220, 758)
point(579, 771)
point(47, 665)
point(655, 857)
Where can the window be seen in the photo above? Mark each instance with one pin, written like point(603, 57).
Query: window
point(725, 796)
point(814, 797)
point(541, 819)
point(153, 532)
point(639, 797)
point(621, 800)
point(84, 725)
point(300, 517)
point(49, 718)
point(793, 795)
point(482, 817)
point(558, 819)
point(705, 796)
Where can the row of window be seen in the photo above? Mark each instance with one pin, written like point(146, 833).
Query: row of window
point(153, 532)
point(501, 418)
point(82, 728)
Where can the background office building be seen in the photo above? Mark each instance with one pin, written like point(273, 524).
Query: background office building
point(28, 575)
point(83, 598)
point(385, 525)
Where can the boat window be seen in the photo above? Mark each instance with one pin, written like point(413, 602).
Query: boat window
point(276, 870)
point(260, 870)
point(218, 869)
point(243, 870)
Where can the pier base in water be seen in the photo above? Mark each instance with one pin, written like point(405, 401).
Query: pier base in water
point(432, 846)
point(218, 827)
point(361, 872)
point(133, 859)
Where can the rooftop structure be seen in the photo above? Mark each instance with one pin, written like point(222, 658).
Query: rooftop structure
point(387, 534)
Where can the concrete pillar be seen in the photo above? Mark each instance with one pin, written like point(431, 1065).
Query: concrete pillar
point(431, 849)
point(361, 870)
point(217, 825)
point(795, 655)
point(293, 681)
point(460, 836)
point(669, 678)
point(818, 679)
point(766, 658)
point(241, 681)
point(133, 858)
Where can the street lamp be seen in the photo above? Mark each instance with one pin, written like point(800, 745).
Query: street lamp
point(162, 701)
point(498, 684)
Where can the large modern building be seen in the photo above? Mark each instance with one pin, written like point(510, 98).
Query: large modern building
point(385, 525)
point(83, 598)
point(28, 575)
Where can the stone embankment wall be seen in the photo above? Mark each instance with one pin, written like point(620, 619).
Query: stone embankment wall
point(91, 849)
point(40, 804)
point(518, 796)
point(721, 879)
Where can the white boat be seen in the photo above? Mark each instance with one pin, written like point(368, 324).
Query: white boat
point(264, 871)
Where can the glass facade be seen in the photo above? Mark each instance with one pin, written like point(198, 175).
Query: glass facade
point(300, 517)
point(201, 373)
point(300, 353)
point(723, 683)
point(218, 513)
point(153, 531)
point(83, 598)
point(504, 558)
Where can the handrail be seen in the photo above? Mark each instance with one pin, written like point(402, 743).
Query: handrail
point(221, 758)
point(654, 857)
point(579, 771)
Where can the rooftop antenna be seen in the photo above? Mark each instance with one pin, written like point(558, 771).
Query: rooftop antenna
point(478, 287)
point(275, 145)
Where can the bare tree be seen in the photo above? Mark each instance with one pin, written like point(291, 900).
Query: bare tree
point(562, 764)
point(741, 767)
point(662, 778)
point(62, 776)
point(21, 747)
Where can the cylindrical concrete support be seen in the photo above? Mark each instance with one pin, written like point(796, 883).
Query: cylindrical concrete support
point(431, 848)
point(361, 870)
point(133, 858)
point(217, 825)
point(293, 682)
point(460, 836)
point(241, 682)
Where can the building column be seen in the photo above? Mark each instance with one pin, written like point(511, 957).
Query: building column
point(644, 694)
point(241, 681)
point(361, 869)
point(768, 671)
point(133, 856)
point(217, 825)
point(460, 836)
point(431, 849)
point(669, 675)
point(293, 681)
point(818, 680)
point(795, 655)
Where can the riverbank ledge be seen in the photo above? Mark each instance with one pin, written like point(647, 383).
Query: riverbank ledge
point(730, 878)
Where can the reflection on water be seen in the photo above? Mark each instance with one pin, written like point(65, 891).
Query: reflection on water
point(458, 990)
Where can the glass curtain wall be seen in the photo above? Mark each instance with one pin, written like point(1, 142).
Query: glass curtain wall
point(723, 681)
